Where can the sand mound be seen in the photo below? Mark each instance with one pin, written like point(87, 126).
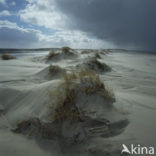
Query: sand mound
point(71, 113)
point(94, 65)
point(97, 56)
point(65, 53)
point(51, 72)
point(7, 57)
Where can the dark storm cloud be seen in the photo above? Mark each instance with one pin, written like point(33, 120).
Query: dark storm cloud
point(126, 23)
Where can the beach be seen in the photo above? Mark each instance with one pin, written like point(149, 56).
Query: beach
point(32, 86)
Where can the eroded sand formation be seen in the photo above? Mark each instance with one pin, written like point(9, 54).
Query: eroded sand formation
point(70, 106)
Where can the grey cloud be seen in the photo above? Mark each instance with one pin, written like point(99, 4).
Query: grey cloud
point(14, 38)
point(126, 23)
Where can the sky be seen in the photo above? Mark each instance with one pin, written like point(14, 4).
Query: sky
point(126, 24)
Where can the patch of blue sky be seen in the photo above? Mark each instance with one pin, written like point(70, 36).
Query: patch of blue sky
point(20, 23)
point(14, 9)
point(19, 4)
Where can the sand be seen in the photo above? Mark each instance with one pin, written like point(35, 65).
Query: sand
point(28, 90)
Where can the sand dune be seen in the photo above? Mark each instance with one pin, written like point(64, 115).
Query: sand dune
point(65, 108)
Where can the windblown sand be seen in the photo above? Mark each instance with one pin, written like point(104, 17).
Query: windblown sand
point(28, 94)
